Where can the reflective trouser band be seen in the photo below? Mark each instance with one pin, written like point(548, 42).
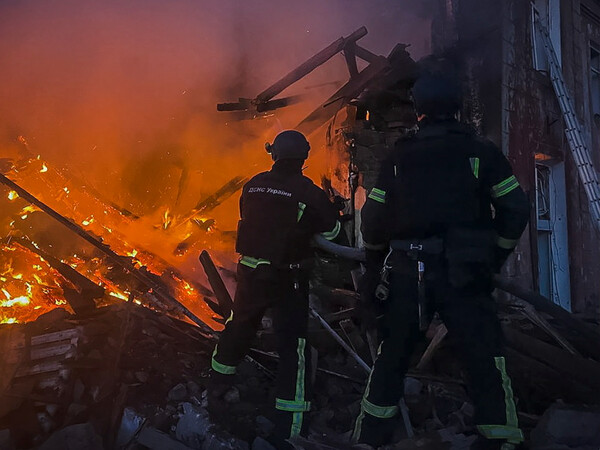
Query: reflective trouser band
point(504, 187)
point(507, 244)
point(359, 420)
point(475, 166)
point(301, 208)
point(291, 405)
point(378, 195)
point(253, 263)
point(221, 368)
point(511, 434)
point(298, 416)
point(331, 235)
point(510, 431)
point(381, 412)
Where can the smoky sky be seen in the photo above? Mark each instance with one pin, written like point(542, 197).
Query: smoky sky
point(100, 84)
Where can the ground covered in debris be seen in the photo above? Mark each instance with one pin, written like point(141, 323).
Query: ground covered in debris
point(124, 376)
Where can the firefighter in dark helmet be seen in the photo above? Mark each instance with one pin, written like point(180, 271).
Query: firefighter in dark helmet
point(281, 210)
point(444, 215)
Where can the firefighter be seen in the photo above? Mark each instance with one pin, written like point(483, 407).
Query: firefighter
point(281, 210)
point(433, 242)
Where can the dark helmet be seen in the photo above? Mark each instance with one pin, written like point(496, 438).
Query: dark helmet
point(289, 144)
point(437, 93)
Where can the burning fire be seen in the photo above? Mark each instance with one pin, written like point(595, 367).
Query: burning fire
point(35, 264)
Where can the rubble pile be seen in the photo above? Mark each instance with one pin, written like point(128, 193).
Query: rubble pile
point(124, 376)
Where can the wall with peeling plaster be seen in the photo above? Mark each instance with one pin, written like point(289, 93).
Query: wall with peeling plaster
point(514, 105)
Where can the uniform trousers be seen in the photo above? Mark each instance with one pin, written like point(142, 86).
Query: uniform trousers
point(469, 313)
point(286, 293)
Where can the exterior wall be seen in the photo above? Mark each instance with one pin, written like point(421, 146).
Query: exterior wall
point(577, 31)
point(514, 105)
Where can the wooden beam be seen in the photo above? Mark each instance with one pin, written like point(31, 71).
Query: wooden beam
point(365, 54)
point(544, 304)
point(350, 56)
point(216, 282)
point(309, 65)
point(347, 92)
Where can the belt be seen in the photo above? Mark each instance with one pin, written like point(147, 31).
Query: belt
point(414, 247)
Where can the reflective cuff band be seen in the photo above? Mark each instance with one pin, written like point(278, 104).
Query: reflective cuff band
point(301, 208)
point(221, 368)
point(378, 195)
point(511, 434)
point(475, 166)
point(369, 246)
point(253, 263)
point(504, 187)
point(381, 412)
point(507, 244)
point(291, 405)
point(331, 235)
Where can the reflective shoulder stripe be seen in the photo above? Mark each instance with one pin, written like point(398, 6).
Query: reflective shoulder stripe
point(475, 166)
point(504, 187)
point(505, 243)
point(253, 263)
point(381, 412)
point(221, 368)
point(301, 208)
point(511, 434)
point(291, 405)
point(331, 235)
point(378, 195)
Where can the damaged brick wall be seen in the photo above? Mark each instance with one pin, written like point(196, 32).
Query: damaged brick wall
point(514, 105)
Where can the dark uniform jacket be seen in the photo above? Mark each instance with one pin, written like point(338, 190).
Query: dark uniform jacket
point(281, 210)
point(442, 178)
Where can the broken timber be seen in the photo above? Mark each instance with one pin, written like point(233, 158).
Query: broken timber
point(216, 282)
point(125, 263)
point(263, 101)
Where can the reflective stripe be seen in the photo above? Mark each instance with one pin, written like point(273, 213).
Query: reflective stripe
point(378, 195)
point(507, 244)
point(504, 187)
point(291, 405)
point(301, 208)
point(513, 435)
point(381, 412)
point(298, 417)
point(358, 425)
point(331, 235)
point(369, 246)
point(221, 368)
point(511, 409)
point(510, 431)
point(475, 166)
point(253, 263)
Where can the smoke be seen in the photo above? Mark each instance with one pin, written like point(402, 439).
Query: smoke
point(123, 92)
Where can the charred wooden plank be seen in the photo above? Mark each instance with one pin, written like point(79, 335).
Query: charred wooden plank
point(541, 303)
point(347, 92)
point(216, 282)
point(310, 64)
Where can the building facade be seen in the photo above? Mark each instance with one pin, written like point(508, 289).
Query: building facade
point(511, 100)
